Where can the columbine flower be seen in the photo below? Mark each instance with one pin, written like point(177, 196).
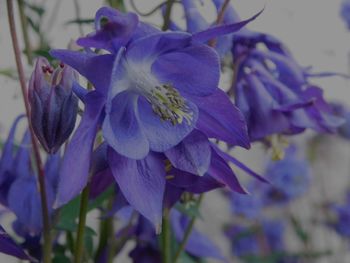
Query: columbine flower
point(18, 183)
point(290, 178)
point(53, 105)
point(147, 102)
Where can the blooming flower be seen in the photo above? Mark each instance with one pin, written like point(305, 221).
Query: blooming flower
point(148, 101)
point(53, 105)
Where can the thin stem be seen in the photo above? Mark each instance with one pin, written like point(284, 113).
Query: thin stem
point(219, 20)
point(45, 212)
point(79, 249)
point(24, 25)
point(166, 237)
point(77, 15)
point(169, 6)
point(188, 231)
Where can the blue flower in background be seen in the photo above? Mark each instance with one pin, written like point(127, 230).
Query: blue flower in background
point(341, 217)
point(290, 178)
point(345, 12)
point(261, 239)
point(343, 112)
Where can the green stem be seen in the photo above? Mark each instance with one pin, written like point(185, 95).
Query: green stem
point(79, 249)
point(166, 237)
point(47, 245)
point(169, 6)
point(24, 25)
point(188, 231)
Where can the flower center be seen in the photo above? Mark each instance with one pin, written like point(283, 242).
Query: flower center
point(169, 105)
point(165, 100)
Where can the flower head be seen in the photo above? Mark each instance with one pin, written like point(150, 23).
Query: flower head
point(53, 105)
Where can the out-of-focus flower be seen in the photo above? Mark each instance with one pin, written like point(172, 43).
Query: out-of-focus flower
point(290, 178)
point(53, 104)
point(264, 239)
point(248, 206)
point(341, 212)
point(343, 112)
point(345, 12)
point(147, 250)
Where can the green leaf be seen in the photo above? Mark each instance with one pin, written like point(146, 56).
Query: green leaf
point(10, 73)
point(61, 258)
point(38, 9)
point(80, 21)
point(299, 230)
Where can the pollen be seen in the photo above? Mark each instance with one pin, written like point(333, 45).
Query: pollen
point(169, 105)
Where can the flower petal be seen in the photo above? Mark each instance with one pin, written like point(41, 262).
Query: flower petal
point(9, 247)
point(76, 161)
point(162, 135)
point(142, 182)
point(157, 44)
point(96, 68)
point(220, 119)
point(121, 127)
point(194, 70)
point(216, 31)
point(115, 31)
point(192, 155)
point(222, 172)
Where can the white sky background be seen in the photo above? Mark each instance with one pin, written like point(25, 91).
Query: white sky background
point(312, 29)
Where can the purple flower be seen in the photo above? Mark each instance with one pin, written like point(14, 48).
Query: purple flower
point(9, 247)
point(53, 105)
point(290, 178)
point(267, 237)
point(18, 183)
point(345, 12)
point(248, 206)
point(148, 102)
point(341, 217)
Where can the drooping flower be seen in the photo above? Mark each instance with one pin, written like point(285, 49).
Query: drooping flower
point(147, 102)
point(53, 104)
point(270, 88)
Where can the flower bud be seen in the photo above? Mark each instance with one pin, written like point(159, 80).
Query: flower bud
point(53, 104)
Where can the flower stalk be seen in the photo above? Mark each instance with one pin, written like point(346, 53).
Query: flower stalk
point(188, 231)
point(47, 246)
point(79, 249)
point(166, 237)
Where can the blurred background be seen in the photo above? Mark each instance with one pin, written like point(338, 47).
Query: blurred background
point(316, 36)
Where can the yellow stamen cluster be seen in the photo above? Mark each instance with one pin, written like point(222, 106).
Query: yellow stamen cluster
point(169, 105)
